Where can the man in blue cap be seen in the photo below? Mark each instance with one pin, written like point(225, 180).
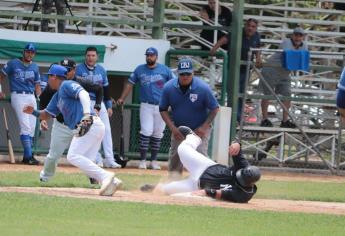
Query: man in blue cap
point(193, 105)
point(74, 103)
point(151, 78)
point(24, 79)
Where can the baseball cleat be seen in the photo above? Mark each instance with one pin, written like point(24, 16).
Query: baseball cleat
point(108, 187)
point(154, 165)
point(43, 178)
point(30, 161)
point(93, 181)
point(142, 165)
point(185, 130)
point(110, 163)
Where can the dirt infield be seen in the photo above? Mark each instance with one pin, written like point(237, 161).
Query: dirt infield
point(136, 196)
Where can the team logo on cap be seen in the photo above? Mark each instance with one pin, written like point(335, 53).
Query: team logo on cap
point(65, 62)
point(193, 97)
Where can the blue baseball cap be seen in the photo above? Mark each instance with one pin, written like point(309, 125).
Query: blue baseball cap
point(30, 47)
point(185, 65)
point(57, 70)
point(151, 51)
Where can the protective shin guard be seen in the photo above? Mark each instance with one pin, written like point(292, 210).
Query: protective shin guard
point(26, 142)
point(155, 145)
point(144, 146)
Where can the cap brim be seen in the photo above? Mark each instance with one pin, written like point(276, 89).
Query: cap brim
point(185, 71)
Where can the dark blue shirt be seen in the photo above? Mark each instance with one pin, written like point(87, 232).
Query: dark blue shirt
point(191, 108)
point(247, 43)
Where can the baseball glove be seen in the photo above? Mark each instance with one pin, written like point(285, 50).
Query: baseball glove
point(84, 126)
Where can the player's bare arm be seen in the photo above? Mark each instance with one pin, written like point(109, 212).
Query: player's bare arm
point(126, 90)
point(41, 114)
point(174, 130)
point(203, 129)
point(38, 90)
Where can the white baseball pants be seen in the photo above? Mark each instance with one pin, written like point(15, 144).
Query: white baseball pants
point(151, 122)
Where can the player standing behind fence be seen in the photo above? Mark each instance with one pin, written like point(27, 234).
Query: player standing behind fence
point(73, 102)
point(24, 78)
point(61, 135)
point(151, 78)
point(95, 73)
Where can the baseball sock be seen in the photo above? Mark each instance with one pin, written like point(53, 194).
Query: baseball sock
point(26, 142)
point(144, 146)
point(155, 145)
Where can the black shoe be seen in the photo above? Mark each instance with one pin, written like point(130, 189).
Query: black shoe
point(287, 124)
point(93, 181)
point(185, 130)
point(30, 161)
point(147, 188)
point(266, 123)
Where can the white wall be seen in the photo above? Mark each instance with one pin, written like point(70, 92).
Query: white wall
point(128, 54)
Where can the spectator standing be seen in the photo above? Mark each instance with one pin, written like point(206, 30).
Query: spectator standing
point(279, 78)
point(47, 8)
point(192, 104)
point(250, 39)
point(208, 13)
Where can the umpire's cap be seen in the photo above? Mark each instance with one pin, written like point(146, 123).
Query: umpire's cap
point(30, 47)
point(151, 51)
point(58, 71)
point(68, 63)
point(248, 176)
point(185, 65)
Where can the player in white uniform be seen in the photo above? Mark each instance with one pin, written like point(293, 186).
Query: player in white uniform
point(95, 73)
point(74, 103)
point(151, 77)
point(24, 78)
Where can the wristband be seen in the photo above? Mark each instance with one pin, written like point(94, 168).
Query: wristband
point(211, 192)
point(36, 113)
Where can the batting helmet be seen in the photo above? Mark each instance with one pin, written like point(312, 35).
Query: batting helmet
point(248, 176)
point(30, 47)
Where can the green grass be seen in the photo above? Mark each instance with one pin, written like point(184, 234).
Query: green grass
point(28, 214)
point(311, 191)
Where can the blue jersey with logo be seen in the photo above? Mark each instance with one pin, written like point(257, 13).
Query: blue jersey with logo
point(191, 108)
point(22, 77)
point(66, 102)
point(97, 75)
point(341, 84)
point(151, 81)
point(44, 81)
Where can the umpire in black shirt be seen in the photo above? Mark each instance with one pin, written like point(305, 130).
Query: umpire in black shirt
point(235, 183)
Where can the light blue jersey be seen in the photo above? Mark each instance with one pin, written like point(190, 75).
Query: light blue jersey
point(22, 77)
point(97, 75)
point(66, 102)
point(341, 84)
point(151, 81)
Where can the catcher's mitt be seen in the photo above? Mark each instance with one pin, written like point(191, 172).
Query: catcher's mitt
point(84, 126)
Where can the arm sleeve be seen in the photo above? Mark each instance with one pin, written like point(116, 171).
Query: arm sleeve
point(239, 161)
point(91, 87)
point(164, 101)
point(85, 101)
point(52, 108)
point(232, 195)
point(45, 97)
point(107, 100)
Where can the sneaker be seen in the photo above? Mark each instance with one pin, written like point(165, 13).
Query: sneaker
point(142, 165)
point(43, 178)
point(147, 188)
point(30, 161)
point(110, 163)
point(154, 165)
point(185, 130)
point(110, 185)
point(266, 123)
point(287, 124)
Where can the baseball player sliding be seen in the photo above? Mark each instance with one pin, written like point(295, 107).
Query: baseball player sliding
point(96, 74)
point(61, 135)
point(73, 102)
point(206, 177)
point(24, 78)
point(151, 77)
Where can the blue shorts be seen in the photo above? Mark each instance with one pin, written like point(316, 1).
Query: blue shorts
point(341, 98)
